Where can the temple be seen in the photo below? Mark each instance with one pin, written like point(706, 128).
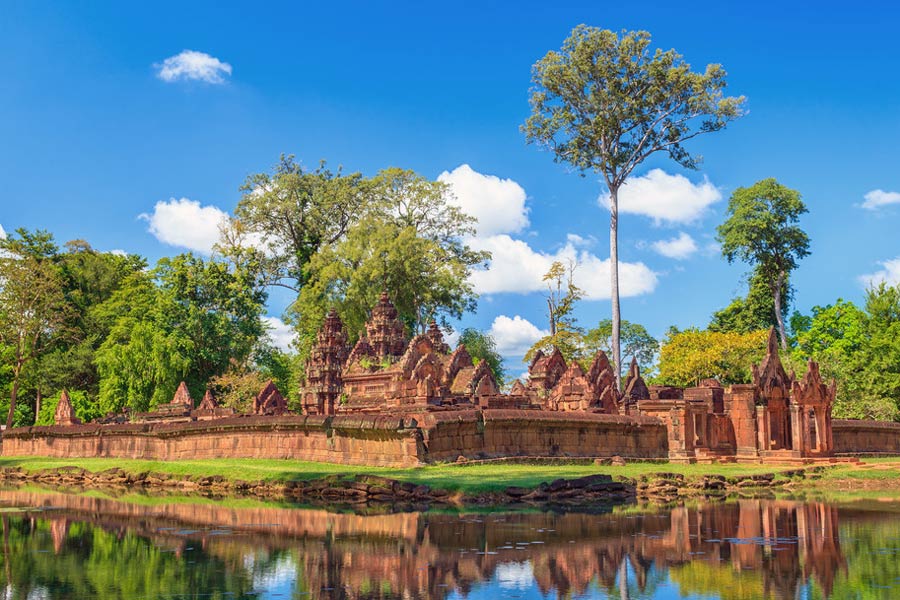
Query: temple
point(776, 416)
point(398, 399)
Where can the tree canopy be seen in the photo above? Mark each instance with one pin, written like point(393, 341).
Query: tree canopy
point(761, 230)
point(408, 241)
point(605, 102)
point(689, 356)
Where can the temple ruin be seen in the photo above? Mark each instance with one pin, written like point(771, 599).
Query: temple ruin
point(776, 416)
point(393, 398)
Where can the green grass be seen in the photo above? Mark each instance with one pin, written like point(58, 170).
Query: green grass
point(471, 478)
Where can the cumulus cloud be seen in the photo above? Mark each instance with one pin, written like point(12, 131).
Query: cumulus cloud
point(516, 267)
point(185, 223)
point(193, 65)
point(890, 274)
point(498, 204)
point(281, 333)
point(514, 336)
point(2, 233)
point(879, 198)
point(665, 198)
point(681, 247)
point(500, 207)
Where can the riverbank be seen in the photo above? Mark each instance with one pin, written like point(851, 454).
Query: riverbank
point(459, 484)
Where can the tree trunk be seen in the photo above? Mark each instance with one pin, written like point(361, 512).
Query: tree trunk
point(614, 281)
point(37, 405)
point(779, 317)
point(12, 396)
point(552, 318)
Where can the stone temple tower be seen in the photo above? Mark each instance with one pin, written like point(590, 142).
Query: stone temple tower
point(324, 367)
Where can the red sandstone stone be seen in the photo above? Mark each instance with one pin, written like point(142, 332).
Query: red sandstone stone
point(65, 413)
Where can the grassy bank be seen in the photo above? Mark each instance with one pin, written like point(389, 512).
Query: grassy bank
point(468, 478)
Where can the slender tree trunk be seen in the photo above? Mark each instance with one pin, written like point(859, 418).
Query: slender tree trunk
point(779, 317)
point(614, 281)
point(37, 405)
point(552, 317)
point(13, 395)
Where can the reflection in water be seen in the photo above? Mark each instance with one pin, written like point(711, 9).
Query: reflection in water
point(75, 546)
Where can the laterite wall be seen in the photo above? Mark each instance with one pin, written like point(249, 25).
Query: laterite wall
point(345, 440)
point(356, 440)
point(502, 433)
point(864, 437)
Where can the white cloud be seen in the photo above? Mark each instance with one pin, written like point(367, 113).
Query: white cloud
point(281, 333)
point(498, 204)
point(879, 198)
point(452, 338)
point(2, 233)
point(665, 198)
point(183, 222)
point(514, 336)
point(679, 248)
point(190, 64)
point(890, 274)
point(516, 267)
point(118, 252)
point(579, 241)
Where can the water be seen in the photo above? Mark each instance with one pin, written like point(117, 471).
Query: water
point(58, 545)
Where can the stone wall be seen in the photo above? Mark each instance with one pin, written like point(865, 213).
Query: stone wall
point(356, 439)
point(508, 433)
point(362, 440)
point(865, 437)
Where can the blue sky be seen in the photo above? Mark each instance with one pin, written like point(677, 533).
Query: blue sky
point(93, 133)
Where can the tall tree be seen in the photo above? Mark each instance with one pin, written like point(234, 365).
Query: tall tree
point(605, 103)
point(286, 216)
point(754, 311)
point(409, 241)
point(34, 311)
point(562, 296)
point(761, 229)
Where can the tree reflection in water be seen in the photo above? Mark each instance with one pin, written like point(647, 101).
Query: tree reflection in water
point(86, 546)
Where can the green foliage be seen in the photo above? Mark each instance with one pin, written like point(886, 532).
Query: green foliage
point(481, 346)
point(294, 212)
point(85, 409)
point(860, 349)
point(761, 230)
point(187, 320)
point(34, 312)
point(754, 311)
point(636, 342)
point(408, 242)
point(562, 296)
point(686, 357)
point(237, 387)
point(606, 103)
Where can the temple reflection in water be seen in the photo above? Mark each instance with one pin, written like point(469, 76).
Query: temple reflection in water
point(743, 549)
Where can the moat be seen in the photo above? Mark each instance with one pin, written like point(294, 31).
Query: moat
point(66, 545)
